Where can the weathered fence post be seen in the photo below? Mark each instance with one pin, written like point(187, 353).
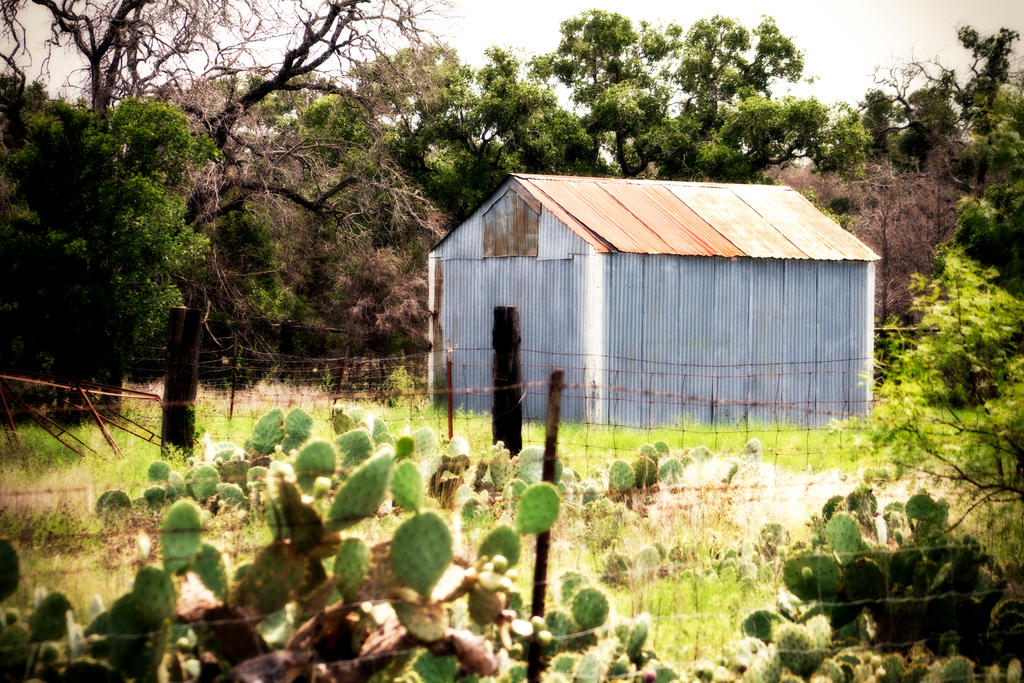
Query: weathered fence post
point(182, 380)
point(540, 565)
point(448, 386)
point(234, 380)
point(507, 402)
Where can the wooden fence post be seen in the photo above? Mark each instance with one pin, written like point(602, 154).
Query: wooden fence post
point(182, 380)
point(507, 401)
point(540, 565)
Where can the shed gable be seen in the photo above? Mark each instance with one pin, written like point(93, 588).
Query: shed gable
point(511, 226)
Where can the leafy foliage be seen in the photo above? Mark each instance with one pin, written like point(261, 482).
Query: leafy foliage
point(954, 401)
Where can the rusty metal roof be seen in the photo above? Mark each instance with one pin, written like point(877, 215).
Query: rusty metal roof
point(694, 219)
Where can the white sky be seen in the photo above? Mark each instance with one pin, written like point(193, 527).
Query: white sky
point(843, 41)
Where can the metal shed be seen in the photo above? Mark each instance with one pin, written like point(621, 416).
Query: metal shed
point(662, 301)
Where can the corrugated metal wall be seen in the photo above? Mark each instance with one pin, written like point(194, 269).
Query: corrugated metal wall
point(712, 339)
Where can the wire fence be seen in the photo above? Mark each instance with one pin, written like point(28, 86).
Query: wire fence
point(709, 562)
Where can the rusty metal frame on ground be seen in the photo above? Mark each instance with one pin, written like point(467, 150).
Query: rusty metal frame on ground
point(102, 416)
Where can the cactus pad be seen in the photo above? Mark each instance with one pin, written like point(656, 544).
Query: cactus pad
point(589, 608)
point(484, 606)
point(501, 540)
point(752, 450)
point(298, 426)
point(180, 535)
point(113, 501)
point(273, 579)
point(352, 566)
point(288, 517)
point(362, 493)
point(538, 508)
point(700, 454)
point(155, 496)
point(316, 459)
point(811, 576)
point(48, 621)
point(797, 650)
point(645, 470)
point(232, 496)
point(209, 565)
point(759, 624)
point(620, 476)
point(154, 595)
point(863, 580)
point(843, 536)
point(426, 441)
point(426, 622)
point(268, 432)
point(202, 482)
point(355, 447)
point(10, 569)
point(158, 471)
point(421, 551)
point(671, 472)
point(407, 486)
point(405, 446)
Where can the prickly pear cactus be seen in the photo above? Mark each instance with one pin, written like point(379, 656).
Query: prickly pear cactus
point(620, 476)
point(316, 459)
point(811, 576)
point(202, 482)
point(268, 433)
point(355, 447)
point(407, 486)
point(645, 470)
point(180, 535)
point(843, 536)
point(112, 502)
point(154, 595)
point(753, 451)
point(501, 540)
point(538, 508)
point(362, 493)
point(351, 566)
point(589, 608)
point(158, 471)
point(671, 472)
point(10, 569)
point(298, 426)
point(421, 551)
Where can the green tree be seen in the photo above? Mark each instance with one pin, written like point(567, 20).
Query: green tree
point(93, 236)
point(953, 403)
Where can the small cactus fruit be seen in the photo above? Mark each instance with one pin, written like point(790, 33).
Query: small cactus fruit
point(843, 536)
point(811, 576)
point(362, 493)
point(407, 486)
point(645, 471)
point(273, 579)
point(154, 595)
point(268, 433)
point(589, 608)
point(48, 620)
point(355, 447)
point(671, 472)
point(501, 540)
point(202, 482)
point(209, 565)
point(316, 459)
point(421, 551)
point(351, 566)
point(759, 624)
point(180, 535)
point(10, 569)
point(620, 476)
point(298, 426)
point(538, 508)
point(158, 471)
point(797, 650)
point(113, 501)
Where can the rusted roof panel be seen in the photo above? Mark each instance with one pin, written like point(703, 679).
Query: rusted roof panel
point(693, 219)
point(817, 235)
point(736, 221)
point(676, 224)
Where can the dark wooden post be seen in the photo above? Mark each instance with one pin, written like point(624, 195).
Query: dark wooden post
point(507, 403)
point(182, 380)
point(451, 395)
point(540, 565)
